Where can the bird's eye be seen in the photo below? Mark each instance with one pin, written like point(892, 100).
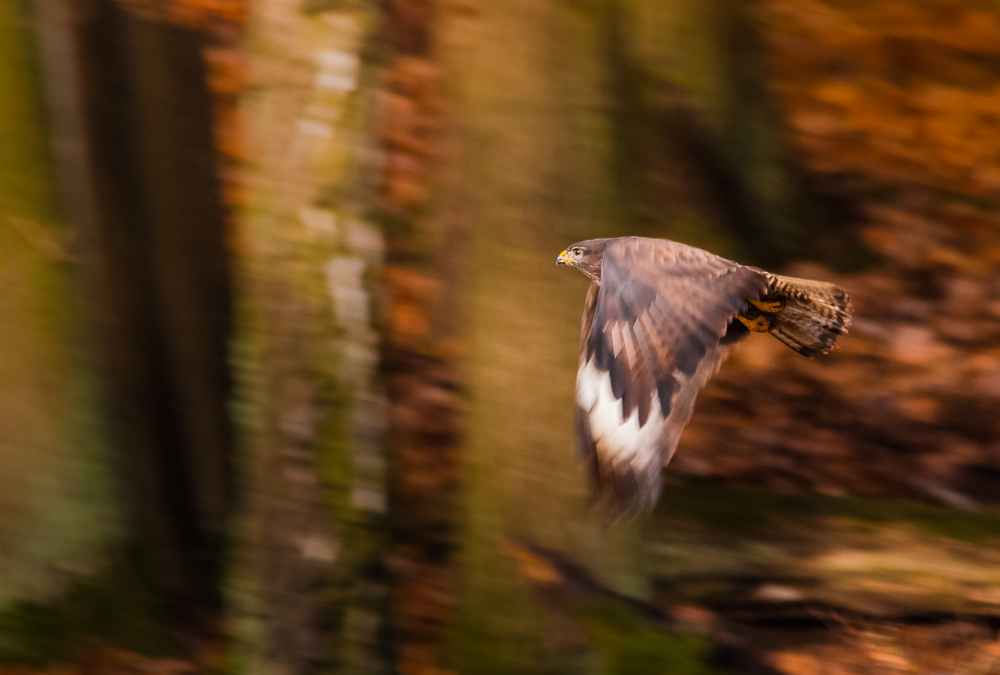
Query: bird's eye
point(577, 251)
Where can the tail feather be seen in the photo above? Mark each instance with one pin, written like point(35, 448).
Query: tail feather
point(816, 313)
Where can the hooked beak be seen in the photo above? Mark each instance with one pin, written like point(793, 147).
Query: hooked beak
point(561, 260)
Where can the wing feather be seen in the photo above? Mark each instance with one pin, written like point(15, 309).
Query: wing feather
point(650, 340)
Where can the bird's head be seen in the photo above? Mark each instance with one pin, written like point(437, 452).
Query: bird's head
point(585, 256)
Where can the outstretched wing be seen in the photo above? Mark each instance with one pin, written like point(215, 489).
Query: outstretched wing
point(651, 339)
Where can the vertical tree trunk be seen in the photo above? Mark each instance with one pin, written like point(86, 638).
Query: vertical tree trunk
point(162, 285)
point(131, 124)
point(59, 506)
point(308, 588)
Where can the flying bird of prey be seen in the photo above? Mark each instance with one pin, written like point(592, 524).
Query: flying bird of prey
point(658, 320)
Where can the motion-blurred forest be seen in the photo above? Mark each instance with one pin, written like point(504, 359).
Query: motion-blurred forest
point(287, 367)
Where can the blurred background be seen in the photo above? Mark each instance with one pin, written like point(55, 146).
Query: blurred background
point(287, 367)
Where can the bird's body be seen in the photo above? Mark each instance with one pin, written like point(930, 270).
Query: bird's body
point(657, 323)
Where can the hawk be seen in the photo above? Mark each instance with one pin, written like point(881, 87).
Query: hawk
point(657, 323)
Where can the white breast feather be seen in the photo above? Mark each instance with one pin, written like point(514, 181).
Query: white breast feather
point(618, 440)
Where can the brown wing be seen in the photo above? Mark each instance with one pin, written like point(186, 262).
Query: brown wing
point(652, 335)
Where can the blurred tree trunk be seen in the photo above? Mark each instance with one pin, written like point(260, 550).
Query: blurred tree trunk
point(697, 147)
point(161, 284)
point(308, 590)
point(59, 504)
point(142, 96)
point(423, 339)
point(128, 117)
point(60, 508)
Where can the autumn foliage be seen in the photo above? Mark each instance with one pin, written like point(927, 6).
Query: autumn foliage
point(892, 106)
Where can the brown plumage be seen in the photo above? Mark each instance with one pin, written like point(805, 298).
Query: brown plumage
point(657, 323)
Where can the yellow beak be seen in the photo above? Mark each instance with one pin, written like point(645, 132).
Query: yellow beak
point(561, 260)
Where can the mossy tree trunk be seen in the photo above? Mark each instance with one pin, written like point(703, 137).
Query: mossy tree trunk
point(125, 317)
point(161, 285)
point(308, 588)
point(60, 505)
point(61, 510)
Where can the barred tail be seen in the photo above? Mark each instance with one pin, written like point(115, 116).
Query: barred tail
point(815, 313)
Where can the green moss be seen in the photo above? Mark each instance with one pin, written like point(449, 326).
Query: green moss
point(114, 608)
point(475, 647)
point(653, 653)
point(621, 643)
point(632, 646)
point(737, 510)
point(32, 633)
